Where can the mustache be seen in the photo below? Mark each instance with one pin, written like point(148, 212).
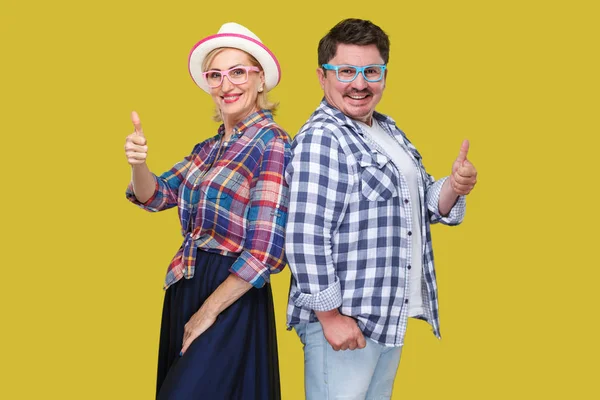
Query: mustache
point(355, 92)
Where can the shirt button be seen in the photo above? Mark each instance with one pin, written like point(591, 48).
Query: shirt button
point(405, 301)
point(405, 201)
point(409, 267)
point(409, 233)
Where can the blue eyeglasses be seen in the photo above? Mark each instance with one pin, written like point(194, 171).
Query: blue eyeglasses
point(348, 73)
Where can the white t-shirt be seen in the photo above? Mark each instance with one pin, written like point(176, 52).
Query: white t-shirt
point(402, 159)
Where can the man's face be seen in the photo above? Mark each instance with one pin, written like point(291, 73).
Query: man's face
point(356, 99)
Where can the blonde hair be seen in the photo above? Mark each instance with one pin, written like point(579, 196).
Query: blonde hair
point(262, 101)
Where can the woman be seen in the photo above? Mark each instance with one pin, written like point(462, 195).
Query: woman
point(218, 337)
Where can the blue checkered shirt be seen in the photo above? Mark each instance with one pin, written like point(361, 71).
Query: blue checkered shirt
point(348, 235)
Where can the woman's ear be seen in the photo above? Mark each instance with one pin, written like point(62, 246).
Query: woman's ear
point(262, 81)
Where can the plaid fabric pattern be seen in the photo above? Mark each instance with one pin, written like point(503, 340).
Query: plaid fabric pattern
point(348, 235)
point(232, 199)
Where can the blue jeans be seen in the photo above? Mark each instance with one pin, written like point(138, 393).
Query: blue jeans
point(362, 374)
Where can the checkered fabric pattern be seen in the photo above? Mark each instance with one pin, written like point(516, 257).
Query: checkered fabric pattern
point(348, 233)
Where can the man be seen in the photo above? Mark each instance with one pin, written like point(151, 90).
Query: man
point(358, 236)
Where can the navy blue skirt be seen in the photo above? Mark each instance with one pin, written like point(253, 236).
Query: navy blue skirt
point(236, 358)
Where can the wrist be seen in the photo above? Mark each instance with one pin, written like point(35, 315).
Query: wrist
point(448, 190)
point(139, 167)
point(210, 308)
point(326, 316)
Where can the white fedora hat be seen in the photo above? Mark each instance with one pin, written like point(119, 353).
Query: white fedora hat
point(238, 37)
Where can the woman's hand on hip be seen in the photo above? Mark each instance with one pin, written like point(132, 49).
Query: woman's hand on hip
point(196, 326)
point(225, 295)
point(136, 149)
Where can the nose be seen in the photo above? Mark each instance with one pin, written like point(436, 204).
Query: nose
point(359, 83)
point(226, 85)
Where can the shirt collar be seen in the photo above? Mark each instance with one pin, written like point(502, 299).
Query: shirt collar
point(337, 114)
point(252, 119)
point(384, 120)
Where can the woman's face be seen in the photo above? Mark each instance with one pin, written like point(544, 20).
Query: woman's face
point(236, 101)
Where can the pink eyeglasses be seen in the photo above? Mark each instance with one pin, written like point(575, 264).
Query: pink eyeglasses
point(236, 75)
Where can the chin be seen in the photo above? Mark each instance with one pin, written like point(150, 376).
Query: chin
point(360, 112)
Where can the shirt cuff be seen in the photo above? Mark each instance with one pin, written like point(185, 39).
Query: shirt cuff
point(325, 300)
point(148, 205)
point(250, 269)
point(457, 212)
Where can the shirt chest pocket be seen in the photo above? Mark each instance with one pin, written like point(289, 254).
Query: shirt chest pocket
point(378, 180)
point(225, 185)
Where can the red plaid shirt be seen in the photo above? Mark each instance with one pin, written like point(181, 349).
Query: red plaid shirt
point(232, 200)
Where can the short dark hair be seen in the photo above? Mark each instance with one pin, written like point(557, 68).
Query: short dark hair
point(353, 31)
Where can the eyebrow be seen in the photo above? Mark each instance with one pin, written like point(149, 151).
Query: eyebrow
point(217, 69)
point(360, 66)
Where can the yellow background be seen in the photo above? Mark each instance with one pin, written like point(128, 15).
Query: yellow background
point(83, 269)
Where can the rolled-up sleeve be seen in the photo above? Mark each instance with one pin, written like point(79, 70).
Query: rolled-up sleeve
point(457, 213)
point(320, 185)
point(263, 252)
point(167, 187)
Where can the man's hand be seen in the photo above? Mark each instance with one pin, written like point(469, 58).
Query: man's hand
point(464, 174)
point(341, 331)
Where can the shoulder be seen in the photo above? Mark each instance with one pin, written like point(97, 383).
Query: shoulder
point(270, 132)
point(326, 129)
